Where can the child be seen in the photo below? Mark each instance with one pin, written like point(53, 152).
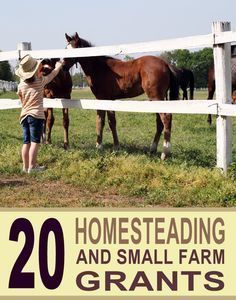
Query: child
point(30, 92)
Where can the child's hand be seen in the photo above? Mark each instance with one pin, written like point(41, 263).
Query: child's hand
point(58, 65)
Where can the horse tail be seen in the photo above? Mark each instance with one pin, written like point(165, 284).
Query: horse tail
point(191, 84)
point(174, 84)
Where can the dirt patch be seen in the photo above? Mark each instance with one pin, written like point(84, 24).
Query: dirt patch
point(11, 182)
point(25, 191)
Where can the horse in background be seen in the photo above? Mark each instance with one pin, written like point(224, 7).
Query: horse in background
point(186, 80)
point(111, 78)
point(59, 87)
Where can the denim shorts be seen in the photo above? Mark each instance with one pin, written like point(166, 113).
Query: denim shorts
point(32, 129)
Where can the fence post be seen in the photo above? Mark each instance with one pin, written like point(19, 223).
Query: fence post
point(222, 62)
point(23, 46)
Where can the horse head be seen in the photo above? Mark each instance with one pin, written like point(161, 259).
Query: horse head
point(75, 41)
point(72, 41)
point(46, 67)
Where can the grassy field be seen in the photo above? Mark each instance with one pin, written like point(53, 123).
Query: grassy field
point(84, 177)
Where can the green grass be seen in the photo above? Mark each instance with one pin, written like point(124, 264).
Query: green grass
point(188, 178)
point(10, 95)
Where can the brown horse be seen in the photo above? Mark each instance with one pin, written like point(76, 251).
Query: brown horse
point(211, 82)
point(111, 78)
point(234, 97)
point(59, 87)
point(185, 80)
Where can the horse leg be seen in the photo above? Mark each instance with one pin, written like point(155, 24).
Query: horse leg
point(159, 128)
point(49, 124)
point(209, 119)
point(45, 126)
point(112, 124)
point(211, 91)
point(100, 122)
point(166, 119)
point(210, 96)
point(66, 123)
point(191, 93)
point(159, 124)
point(185, 94)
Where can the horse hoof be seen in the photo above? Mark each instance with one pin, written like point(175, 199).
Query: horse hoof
point(166, 150)
point(116, 148)
point(163, 156)
point(66, 146)
point(99, 146)
point(153, 148)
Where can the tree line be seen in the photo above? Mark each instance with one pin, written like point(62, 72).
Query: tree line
point(6, 72)
point(197, 61)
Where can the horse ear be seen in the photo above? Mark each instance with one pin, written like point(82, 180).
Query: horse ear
point(77, 36)
point(68, 38)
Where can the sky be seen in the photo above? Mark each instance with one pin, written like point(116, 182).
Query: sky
point(107, 22)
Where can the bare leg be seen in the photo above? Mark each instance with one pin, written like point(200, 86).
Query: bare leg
point(25, 156)
point(100, 122)
point(66, 123)
point(112, 123)
point(33, 153)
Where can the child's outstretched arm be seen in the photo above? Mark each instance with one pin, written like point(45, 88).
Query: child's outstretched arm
point(54, 73)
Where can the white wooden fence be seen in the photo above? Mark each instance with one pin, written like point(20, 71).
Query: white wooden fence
point(220, 39)
point(8, 85)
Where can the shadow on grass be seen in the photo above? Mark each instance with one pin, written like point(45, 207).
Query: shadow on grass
point(180, 155)
point(191, 157)
point(196, 157)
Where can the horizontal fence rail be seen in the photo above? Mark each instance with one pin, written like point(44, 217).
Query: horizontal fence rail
point(146, 106)
point(198, 41)
point(9, 55)
point(183, 107)
point(153, 46)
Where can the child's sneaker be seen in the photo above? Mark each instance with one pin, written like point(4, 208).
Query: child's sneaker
point(36, 169)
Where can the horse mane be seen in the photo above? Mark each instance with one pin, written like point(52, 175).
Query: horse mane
point(84, 43)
